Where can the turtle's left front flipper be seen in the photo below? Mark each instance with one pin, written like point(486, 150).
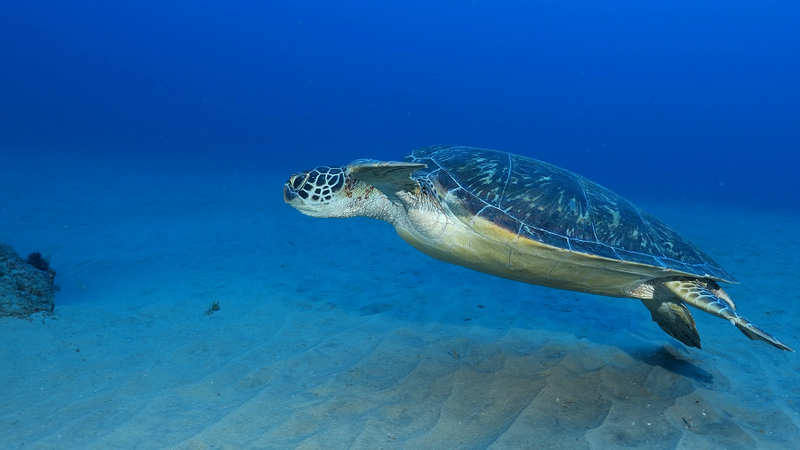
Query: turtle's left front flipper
point(709, 297)
point(389, 177)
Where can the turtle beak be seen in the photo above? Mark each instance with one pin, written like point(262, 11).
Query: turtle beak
point(289, 194)
point(291, 187)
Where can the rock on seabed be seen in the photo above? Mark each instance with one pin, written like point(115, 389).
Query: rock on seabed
point(24, 289)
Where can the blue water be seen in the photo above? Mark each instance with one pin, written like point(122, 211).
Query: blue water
point(680, 99)
point(144, 145)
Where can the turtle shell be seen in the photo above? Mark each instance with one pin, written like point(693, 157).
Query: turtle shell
point(553, 206)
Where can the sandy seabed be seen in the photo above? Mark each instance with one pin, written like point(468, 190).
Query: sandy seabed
point(335, 334)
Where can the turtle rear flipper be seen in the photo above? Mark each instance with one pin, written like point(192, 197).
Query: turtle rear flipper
point(698, 294)
point(675, 319)
point(389, 177)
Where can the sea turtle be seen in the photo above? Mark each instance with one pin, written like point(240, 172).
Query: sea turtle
point(530, 221)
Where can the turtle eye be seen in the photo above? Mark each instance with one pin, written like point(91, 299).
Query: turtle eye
point(297, 181)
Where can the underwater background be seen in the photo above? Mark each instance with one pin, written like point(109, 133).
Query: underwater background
point(686, 99)
point(144, 146)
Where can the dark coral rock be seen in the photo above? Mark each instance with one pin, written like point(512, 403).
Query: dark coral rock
point(36, 260)
point(25, 287)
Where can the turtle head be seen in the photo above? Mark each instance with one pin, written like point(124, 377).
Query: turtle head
point(315, 192)
point(329, 192)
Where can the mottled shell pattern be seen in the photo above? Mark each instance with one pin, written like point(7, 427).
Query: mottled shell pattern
point(553, 206)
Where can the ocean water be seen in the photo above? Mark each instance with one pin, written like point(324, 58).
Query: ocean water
point(143, 150)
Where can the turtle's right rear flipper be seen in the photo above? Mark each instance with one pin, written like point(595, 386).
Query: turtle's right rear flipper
point(675, 319)
point(700, 295)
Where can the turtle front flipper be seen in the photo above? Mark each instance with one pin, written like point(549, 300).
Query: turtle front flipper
point(709, 297)
point(675, 319)
point(389, 177)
